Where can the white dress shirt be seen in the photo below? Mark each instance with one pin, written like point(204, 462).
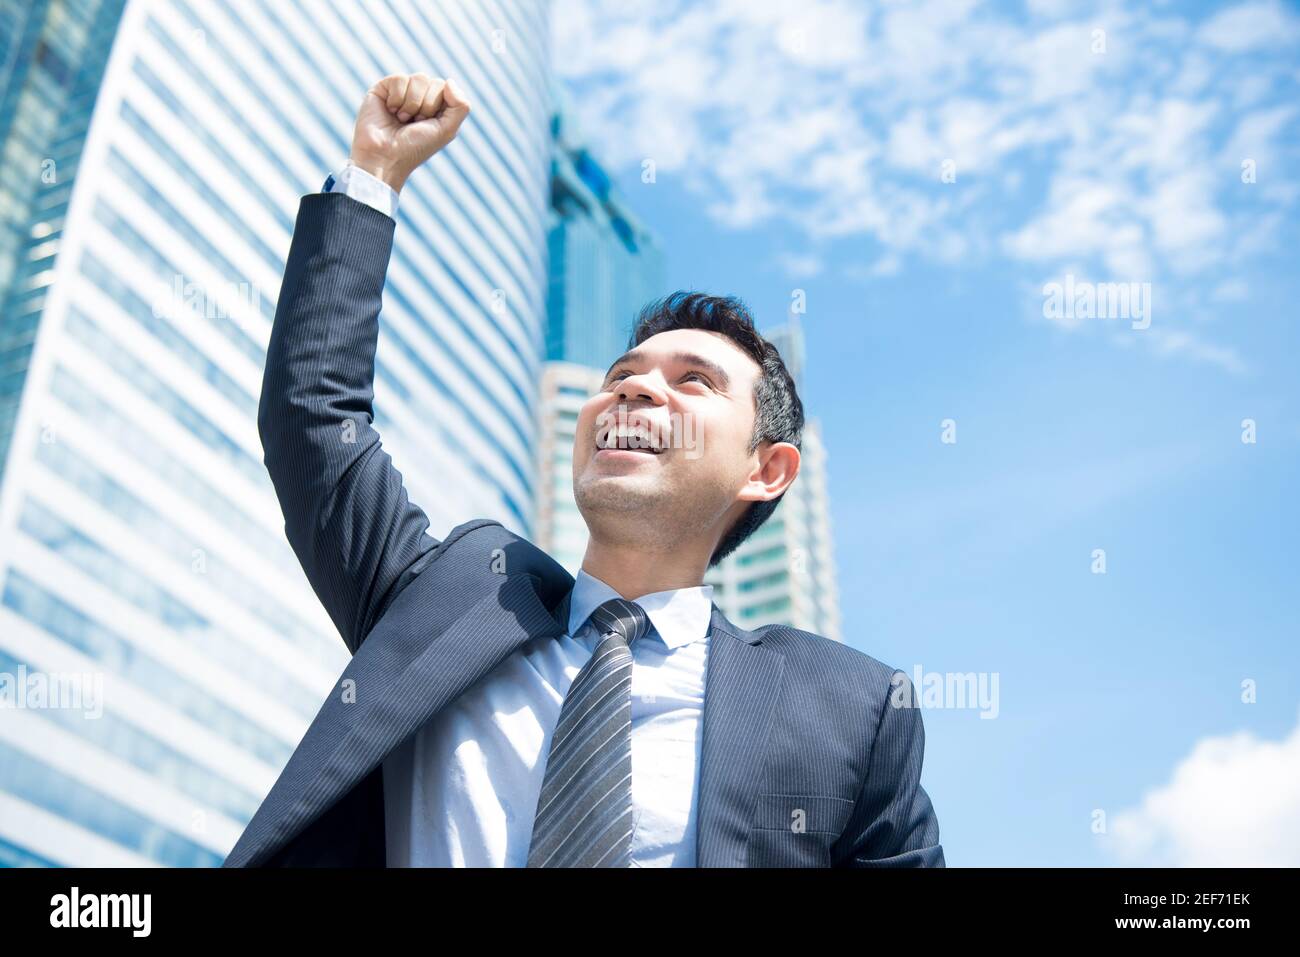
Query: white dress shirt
point(355, 182)
point(462, 791)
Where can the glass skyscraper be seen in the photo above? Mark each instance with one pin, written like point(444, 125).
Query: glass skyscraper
point(52, 57)
point(561, 530)
point(605, 265)
point(142, 554)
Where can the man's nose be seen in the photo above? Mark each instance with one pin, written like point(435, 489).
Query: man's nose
point(641, 387)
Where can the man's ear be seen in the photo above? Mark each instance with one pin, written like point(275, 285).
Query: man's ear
point(778, 464)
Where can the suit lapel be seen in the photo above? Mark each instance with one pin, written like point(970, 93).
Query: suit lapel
point(385, 694)
point(561, 612)
point(742, 680)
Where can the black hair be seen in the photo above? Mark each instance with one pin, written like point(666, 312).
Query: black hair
point(778, 411)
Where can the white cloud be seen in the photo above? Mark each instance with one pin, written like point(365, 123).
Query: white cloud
point(1191, 345)
point(1257, 138)
point(1088, 219)
point(1249, 27)
point(835, 117)
point(752, 96)
point(1231, 290)
point(800, 265)
point(1233, 802)
point(1185, 224)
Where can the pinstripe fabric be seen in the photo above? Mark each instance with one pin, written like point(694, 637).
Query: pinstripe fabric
point(375, 538)
point(584, 811)
point(808, 758)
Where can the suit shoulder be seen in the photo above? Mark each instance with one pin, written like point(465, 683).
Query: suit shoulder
point(833, 683)
point(465, 527)
point(487, 536)
point(819, 650)
point(485, 549)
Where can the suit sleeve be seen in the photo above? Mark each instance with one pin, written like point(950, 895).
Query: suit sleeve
point(346, 512)
point(894, 823)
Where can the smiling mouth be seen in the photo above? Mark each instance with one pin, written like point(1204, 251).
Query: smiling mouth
point(629, 441)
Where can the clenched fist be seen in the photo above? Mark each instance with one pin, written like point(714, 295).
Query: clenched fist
point(404, 120)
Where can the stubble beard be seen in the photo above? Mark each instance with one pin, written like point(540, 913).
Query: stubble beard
point(650, 517)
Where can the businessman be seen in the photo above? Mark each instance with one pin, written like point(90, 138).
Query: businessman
point(498, 711)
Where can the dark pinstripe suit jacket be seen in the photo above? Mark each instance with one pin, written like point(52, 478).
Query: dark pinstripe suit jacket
point(805, 759)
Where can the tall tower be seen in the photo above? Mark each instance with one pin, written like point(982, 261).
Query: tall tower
point(52, 57)
point(604, 266)
point(561, 531)
point(141, 545)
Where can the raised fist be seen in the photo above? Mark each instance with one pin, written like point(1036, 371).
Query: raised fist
point(405, 119)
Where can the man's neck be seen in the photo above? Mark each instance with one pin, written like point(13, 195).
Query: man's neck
point(633, 571)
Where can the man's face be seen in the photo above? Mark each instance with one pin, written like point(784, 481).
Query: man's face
point(666, 438)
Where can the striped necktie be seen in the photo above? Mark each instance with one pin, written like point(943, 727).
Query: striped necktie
point(584, 813)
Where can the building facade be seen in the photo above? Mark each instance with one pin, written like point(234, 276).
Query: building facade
point(144, 571)
point(561, 531)
point(51, 52)
point(604, 264)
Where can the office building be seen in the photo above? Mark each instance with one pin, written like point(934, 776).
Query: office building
point(141, 544)
point(604, 266)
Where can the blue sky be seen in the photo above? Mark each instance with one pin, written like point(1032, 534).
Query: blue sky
point(804, 147)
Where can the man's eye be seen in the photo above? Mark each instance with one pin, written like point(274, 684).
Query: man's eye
point(698, 377)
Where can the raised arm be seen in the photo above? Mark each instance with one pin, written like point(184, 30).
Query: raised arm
point(346, 512)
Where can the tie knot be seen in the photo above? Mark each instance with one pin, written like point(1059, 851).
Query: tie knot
point(625, 617)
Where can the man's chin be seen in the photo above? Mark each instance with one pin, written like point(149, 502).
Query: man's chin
point(617, 491)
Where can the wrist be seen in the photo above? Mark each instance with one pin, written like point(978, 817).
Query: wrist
point(381, 169)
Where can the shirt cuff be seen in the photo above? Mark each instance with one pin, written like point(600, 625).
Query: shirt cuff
point(355, 182)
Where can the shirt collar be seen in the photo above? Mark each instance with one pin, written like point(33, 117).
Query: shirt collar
point(679, 615)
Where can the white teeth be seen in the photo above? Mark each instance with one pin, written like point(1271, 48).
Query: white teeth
point(636, 439)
